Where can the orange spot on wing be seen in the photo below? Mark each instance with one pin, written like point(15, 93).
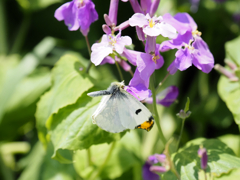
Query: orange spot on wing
point(147, 125)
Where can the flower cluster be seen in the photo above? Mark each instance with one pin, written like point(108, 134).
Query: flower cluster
point(180, 29)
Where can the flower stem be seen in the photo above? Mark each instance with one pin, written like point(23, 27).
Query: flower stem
point(89, 51)
point(164, 79)
point(239, 143)
point(157, 120)
point(119, 71)
point(183, 121)
point(95, 175)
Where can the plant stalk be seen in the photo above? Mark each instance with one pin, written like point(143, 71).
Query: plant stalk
point(89, 52)
point(180, 136)
point(156, 117)
point(119, 71)
point(95, 175)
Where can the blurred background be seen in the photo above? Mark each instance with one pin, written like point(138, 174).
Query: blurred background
point(32, 40)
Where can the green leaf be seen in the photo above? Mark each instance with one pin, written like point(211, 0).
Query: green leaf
point(34, 5)
point(68, 83)
point(232, 175)
point(16, 73)
point(230, 93)
point(232, 50)
point(123, 157)
point(233, 103)
point(232, 141)
point(72, 126)
point(226, 87)
point(221, 159)
point(186, 109)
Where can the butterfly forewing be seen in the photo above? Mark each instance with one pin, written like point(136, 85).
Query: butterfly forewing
point(107, 117)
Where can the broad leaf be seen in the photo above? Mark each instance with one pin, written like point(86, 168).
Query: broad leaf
point(232, 175)
point(68, 83)
point(72, 127)
point(221, 159)
point(232, 50)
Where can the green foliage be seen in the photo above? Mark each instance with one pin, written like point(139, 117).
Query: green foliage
point(40, 166)
point(125, 155)
point(68, 84)
point(230, 91)
point(221, 159)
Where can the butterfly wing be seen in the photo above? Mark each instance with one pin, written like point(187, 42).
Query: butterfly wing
point(107, 115)
point(134, 114)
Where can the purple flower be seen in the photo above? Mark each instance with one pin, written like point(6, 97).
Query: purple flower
point(149, 169)
point(147, 63)
point(202, 153)
point(147, 174)
point(153, 26)
point(108, 44)
point(139, 91)
point(191, 48)
point(165, 97)
point(77, 14)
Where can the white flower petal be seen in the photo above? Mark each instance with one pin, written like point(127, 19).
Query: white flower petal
point(138, 19)
point(99, 53)
point(167, 30)
point(154, 31)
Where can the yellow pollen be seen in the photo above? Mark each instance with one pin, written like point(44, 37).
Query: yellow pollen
point(196, 32)
point(151, 23)
point(113, 41)
point(155, 58)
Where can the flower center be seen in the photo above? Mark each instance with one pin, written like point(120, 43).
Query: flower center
point(151, 23)
point(112, 41)
point(196, 32)
point(155, 58)
point(189, 45)
point(80, 3)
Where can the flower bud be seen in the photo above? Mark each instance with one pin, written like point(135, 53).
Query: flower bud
point(106, 29)
point(183, 115)
point(154, 7)
point(150, 44)
point(113, 10)
point(202, 153)
point(158, 169)
point(231, 76)
point(107, 20)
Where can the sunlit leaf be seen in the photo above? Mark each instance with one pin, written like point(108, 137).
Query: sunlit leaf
point(68, 83)
point(221, 159)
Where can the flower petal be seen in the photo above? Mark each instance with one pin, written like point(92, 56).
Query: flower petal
point(131, 56)
point(168, 96)
point(147, 174)
point(68, 13)
point(187, 19)
point(202, 57)
point(139, 91)
point(138, 80)
point(150, 44)
point(138, 19)
point(86, 16)
point(179, 26)
point(108, 60)
point(99, 53)
point(183, 59)
point(152, 31)
point(121, 43)
point(167, 30)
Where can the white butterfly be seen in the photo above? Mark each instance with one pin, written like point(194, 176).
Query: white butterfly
point(119, 110)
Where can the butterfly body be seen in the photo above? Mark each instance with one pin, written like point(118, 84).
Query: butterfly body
point(119, 110)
